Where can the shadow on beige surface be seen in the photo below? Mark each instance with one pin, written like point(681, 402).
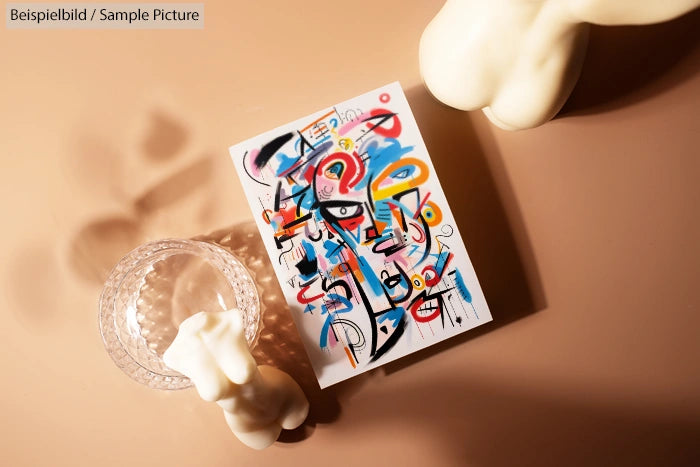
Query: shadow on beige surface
point(628, 64)
point(99, 244)
point(502, 425)
point(489, 232)
point(35, 264)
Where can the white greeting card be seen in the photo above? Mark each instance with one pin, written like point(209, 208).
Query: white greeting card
point(360, 234)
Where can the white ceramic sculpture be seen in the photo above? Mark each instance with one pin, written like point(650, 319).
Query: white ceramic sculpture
point(258, 401)
point(518, 60)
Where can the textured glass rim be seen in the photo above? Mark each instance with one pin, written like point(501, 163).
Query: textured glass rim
point(218, 257)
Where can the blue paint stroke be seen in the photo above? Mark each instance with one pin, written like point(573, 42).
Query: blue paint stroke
point(462, 287)
point(285, 163)
point(333, 251)
point(394, 315)
point(370, 276)
point(464, 291)
point(440, 264)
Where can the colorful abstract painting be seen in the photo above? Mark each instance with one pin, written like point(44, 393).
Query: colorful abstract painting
point(360, 234)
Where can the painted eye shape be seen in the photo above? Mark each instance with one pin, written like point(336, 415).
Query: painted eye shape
point(392, 281)
point(401, 174)
point(335, 171)
point(344, 212)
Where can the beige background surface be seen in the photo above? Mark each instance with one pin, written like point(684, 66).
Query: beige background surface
point(584, 233)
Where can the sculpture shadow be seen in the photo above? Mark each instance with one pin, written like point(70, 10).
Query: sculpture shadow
point(160, 182)
point(99, 244)
point(628, 64)
point(99, 169)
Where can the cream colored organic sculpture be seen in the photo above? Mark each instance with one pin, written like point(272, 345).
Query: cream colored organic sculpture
point(258, 401)
point(518, 60)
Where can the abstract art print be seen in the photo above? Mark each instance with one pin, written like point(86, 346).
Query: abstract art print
point(359, 232)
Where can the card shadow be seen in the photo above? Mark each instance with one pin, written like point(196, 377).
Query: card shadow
point(489, 233)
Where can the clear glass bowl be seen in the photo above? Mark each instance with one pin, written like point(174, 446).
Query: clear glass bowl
point(157, 286)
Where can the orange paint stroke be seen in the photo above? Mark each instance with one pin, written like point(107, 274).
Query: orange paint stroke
point(316, 121)
point(346, 267)
point(379, 191)
point(352, 360)
point(396, 212)
point(380, 226)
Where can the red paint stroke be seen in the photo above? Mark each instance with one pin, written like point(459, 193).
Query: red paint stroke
point(309, 173)
point(420, 230)
point(303, 300)
point(350, 225)
point(392, 132)
point(433, 281)
point(424, 318)
point(420, 206)
point(352, 173)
